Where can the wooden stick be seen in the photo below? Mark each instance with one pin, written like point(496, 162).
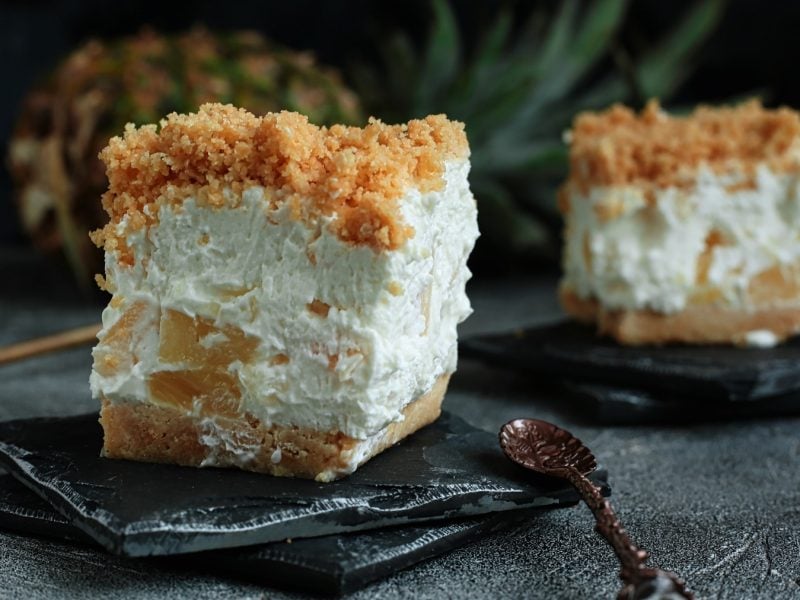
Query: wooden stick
point(50, 343)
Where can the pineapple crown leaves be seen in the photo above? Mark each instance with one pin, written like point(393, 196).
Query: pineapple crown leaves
point(666, 66)
point(518, 89)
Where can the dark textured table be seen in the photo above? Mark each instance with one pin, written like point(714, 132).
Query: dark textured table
point(717, 502)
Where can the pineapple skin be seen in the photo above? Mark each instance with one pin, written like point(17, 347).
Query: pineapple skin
point(101, 86)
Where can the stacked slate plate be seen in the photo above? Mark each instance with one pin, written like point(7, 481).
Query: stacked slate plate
point(444, 486)
point(620, 384)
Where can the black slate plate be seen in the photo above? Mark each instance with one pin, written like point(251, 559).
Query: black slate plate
point(448, 469)
point(574, 351)
point(615, 405)
point(23, 511)
point(336, 564)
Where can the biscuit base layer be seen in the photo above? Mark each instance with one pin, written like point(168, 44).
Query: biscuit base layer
point(698, 324)
point(152, 433)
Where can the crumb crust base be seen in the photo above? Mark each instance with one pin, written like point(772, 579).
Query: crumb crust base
point(695, 324)
point(151, 433)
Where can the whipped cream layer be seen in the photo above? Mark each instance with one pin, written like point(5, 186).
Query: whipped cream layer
point(342, 337)
point(683, 245)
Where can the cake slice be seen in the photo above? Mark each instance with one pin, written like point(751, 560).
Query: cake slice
point(285, 296)
point(684, 229)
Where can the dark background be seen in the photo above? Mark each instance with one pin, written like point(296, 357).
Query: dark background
point(753, 51)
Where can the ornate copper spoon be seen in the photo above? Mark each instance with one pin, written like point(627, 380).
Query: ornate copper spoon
point(549, 450)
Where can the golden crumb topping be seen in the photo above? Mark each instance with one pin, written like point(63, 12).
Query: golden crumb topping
point(355, 174)
point(656, 150)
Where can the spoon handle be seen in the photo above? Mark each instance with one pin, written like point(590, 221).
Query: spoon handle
point(641, 581)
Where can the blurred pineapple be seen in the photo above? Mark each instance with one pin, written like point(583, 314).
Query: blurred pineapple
point(102, 86)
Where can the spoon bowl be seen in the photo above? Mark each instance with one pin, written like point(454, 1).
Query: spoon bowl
point(545, 448)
